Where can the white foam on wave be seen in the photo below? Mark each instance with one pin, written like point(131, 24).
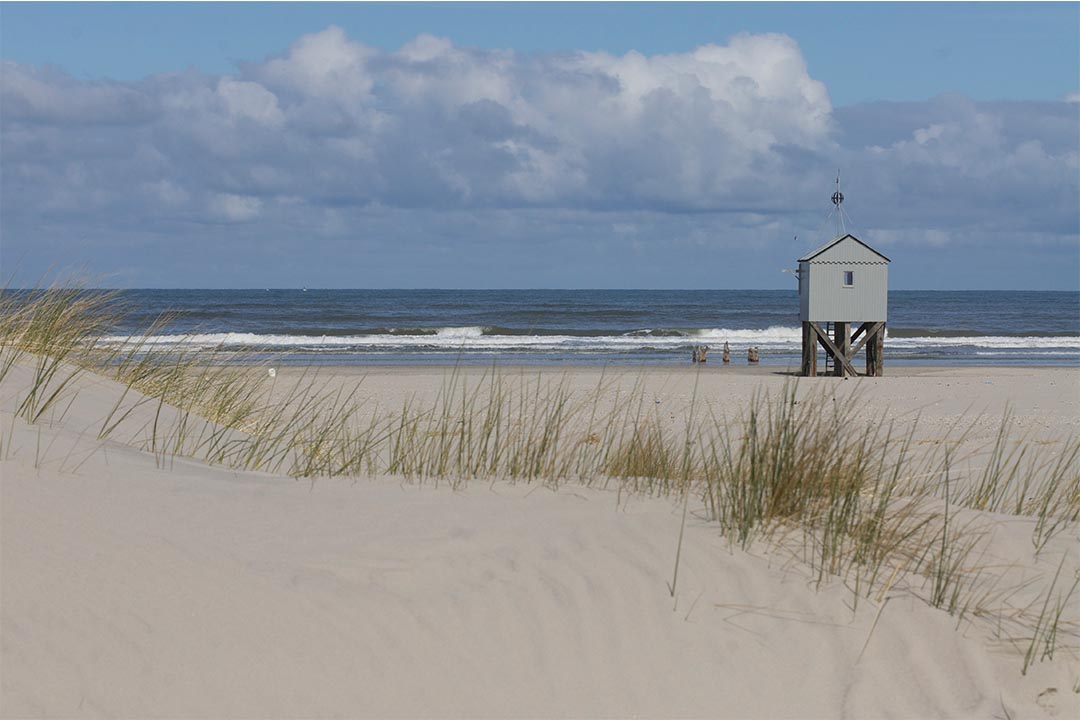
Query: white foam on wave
point(990, 341)
point(459, 333)
point(473, 338)
point(773, 335)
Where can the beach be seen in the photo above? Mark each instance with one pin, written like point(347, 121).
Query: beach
point(1041, 397)
point(539, 360)
point(143, 583)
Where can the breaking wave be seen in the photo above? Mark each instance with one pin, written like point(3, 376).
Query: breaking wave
point(491, 339)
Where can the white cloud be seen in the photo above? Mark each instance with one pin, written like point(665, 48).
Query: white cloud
point(249, 100)
point(932, 238)
point(757, 86)
point(436, 123)
point(333, 131)
point(324, 64)
point(926, 134)
point(236, 208)
point(167, 193)
point(48, 95)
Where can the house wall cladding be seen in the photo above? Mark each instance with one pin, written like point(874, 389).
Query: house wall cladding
point(823, 295)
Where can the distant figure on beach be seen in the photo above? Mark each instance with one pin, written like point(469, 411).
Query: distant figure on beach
point(727, 353)
point(699, 353)
point(752, 355)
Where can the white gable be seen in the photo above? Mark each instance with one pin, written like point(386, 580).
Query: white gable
point(847, 249)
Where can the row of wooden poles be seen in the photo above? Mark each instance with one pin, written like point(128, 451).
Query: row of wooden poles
point(701, 352)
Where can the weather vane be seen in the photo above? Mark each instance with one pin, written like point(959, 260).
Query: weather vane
point(837, 198)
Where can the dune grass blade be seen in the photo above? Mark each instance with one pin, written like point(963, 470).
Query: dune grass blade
point(1045, 637)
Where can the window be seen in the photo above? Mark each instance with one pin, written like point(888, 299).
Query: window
point(849, 278)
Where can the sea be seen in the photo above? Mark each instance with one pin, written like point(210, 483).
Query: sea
point(588, 327)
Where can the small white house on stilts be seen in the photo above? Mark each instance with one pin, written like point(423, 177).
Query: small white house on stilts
point(843, 284)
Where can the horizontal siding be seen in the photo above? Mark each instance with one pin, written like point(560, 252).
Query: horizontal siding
point(804, 296)
point(822, 295)
point(827, 300)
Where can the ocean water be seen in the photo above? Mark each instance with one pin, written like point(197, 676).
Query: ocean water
point(592, 326)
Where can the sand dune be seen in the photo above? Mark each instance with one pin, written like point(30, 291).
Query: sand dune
point(137, 585)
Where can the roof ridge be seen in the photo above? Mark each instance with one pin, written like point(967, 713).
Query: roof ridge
point(814, 253)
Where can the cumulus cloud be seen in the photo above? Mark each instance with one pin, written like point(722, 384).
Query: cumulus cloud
point(433, 123)
point(325, 64)
point(49, 96)
point(332, 135)
point(954, 163)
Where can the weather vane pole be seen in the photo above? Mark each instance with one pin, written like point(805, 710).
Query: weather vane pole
point(837, 198)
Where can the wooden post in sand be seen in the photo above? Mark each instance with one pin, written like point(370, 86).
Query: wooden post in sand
point(879, 352)
point(752, 355)
point(727, 353)
point(875, 344)
point(809, 350)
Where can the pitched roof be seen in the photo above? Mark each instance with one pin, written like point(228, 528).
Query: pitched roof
point(835, 241)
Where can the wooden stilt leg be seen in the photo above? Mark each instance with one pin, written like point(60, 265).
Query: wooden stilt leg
point(809, 351)
point(871, 348)
point(879, 352)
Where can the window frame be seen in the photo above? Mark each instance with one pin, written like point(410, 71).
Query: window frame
point(844, 275)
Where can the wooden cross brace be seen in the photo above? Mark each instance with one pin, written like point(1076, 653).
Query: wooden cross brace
point(831, 348)
point(871, 329)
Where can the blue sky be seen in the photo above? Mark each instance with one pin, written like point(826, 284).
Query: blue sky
point(536, 145)
point(879, 51)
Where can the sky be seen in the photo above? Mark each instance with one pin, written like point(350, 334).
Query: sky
point(595, 145)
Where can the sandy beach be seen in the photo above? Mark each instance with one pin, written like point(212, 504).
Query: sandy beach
point(1045, 399)
point(137, 582)
point(539, 360)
